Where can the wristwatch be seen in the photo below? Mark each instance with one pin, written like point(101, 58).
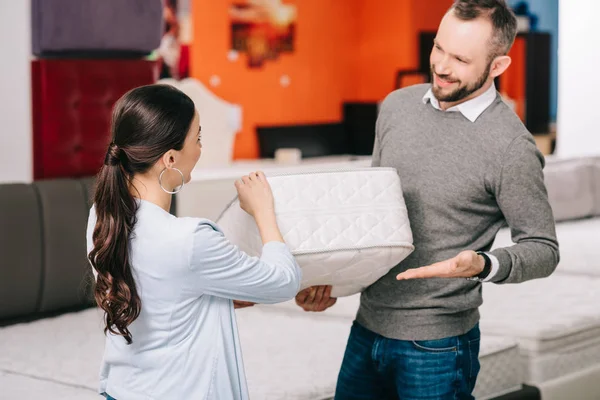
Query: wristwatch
point(487, 268)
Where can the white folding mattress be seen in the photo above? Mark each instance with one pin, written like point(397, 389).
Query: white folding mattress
point(555, 321)
point(346, 228)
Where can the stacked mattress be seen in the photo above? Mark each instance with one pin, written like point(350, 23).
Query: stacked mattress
point(346, 228)
point(501, 369)
point(556, 322)
point(288, 354)
point(578, 250)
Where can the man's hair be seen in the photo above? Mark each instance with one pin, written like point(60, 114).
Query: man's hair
point(504, 22)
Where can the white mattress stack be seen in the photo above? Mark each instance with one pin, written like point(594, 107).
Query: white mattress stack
point(578, 249)
point(500, 371)
point(556, 322)
point(346, 228)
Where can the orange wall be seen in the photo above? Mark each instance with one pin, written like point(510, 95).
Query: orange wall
point(345, 50)
point(427, 14)
point(382, 47)
point(319, 67)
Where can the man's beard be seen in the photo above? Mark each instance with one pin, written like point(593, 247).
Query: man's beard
point(461, 92)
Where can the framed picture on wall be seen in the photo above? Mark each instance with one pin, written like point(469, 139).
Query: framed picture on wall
point(263, 29)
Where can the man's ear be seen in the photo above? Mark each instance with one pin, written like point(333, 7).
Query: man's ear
point(499, 65)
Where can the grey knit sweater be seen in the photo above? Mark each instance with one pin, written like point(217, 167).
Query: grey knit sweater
point(462, 181)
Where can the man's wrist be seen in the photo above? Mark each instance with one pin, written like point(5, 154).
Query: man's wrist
point(485, 269)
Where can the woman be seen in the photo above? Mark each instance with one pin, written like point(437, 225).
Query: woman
point(166, 284)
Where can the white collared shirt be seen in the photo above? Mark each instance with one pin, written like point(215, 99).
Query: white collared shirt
point(471, 109)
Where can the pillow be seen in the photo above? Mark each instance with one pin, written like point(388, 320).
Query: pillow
point(346, 228)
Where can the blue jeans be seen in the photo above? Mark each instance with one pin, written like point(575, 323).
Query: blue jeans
point(376, 367)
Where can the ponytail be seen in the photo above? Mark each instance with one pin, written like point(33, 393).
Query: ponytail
point(147, 122)
point(115, 291)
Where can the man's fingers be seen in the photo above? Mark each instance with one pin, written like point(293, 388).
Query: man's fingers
point(311, 295)
point(302, 296)
point(325, 299)
point(242, 304)
point(319, 293)
point(438, 270)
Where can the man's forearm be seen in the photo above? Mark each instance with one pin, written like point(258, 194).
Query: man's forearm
point(526, 260)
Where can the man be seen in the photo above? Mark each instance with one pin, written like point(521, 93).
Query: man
point(467, 165)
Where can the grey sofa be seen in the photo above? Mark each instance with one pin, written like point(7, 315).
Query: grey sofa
point(42, 242)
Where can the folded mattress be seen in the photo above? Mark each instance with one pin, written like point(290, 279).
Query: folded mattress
point(579, 246)
point(346, 228)
point(555, 321)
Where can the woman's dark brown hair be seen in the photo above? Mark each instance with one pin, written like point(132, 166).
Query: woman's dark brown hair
point(146, 123)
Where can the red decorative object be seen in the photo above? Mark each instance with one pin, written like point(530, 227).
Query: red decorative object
point(72, 103)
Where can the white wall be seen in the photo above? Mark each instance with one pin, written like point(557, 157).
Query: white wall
point(16, 152)
point(578, 122)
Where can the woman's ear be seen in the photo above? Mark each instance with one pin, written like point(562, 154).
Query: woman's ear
point(168, 159)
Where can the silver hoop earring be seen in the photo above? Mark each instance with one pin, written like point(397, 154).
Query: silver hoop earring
point(161, 185)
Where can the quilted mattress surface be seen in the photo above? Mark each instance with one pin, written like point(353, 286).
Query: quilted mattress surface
point(500, 371)
point(555, 320)
point(346, 228)
point(281, 360)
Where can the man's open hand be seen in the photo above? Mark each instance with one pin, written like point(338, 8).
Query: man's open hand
point(465, 265)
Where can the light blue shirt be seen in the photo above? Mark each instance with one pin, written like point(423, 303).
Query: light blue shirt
point(185, 340)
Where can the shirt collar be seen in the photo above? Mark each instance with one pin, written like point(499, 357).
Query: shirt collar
point(471, 109)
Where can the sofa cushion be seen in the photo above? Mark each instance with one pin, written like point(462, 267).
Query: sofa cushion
point(21, 250)
point(84, 26)
point(67, 275)
point(570, 188)
point(89, 186)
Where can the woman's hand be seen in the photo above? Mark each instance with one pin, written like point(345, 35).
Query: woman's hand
point(256, 199)
point(255, 194)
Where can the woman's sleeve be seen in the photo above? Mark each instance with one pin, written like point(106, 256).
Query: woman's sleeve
point(220, 269)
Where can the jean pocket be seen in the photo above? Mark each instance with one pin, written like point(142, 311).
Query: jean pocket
point(446, 345)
